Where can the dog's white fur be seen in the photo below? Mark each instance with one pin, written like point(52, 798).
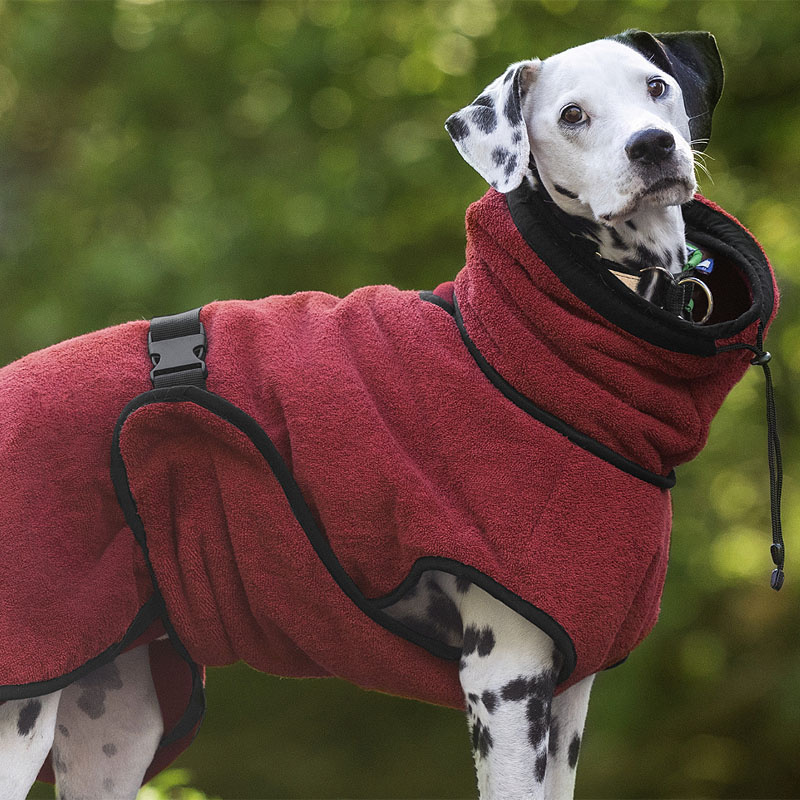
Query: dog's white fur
point(609, 82)
point(525, 746)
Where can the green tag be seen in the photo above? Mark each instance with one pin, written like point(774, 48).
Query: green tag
point(695, 258)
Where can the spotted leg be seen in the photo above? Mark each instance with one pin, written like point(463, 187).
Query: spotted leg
point(566, 731)
point(508, 673)
point(107, 730)
point(26, 735)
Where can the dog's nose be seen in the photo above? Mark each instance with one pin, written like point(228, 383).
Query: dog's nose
point(650, 146)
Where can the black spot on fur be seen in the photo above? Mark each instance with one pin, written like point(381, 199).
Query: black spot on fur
point(473, 698)
point(542, 685)
point(574, 750)
point(537, 712)
point(105, 677)
point(462, 664)
point(552, 746)
point(59, 765)
point(470, 642)
point(515, 690)
point(444, 612)
point(110, 749)
point(512, 109)
point(63, 730)
point(486, 642)
point(457, 128)
point(517, 137)
point(92, 703)
point(509, 75)
point(541, 767)
point(481, 739)
point(95, 685)
point(645, 257)
point(462, 584)
point(500, 155)
point(485, 118)
point(510, 166)
point(630, 224)
point(484, 100)
point(489, 701)
point(680, 257)
point(480, 640)
point(28, 715)
point(434, 587)
point(616, 238)
point(565, 192)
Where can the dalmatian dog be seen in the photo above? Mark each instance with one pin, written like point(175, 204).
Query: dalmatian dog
point(608, 132)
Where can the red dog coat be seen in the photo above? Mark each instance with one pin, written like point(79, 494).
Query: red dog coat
point(517, 427)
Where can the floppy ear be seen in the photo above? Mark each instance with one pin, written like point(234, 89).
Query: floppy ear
point(692, 58)
point(490, 133)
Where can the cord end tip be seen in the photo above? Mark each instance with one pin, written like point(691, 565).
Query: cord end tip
point(776, 581)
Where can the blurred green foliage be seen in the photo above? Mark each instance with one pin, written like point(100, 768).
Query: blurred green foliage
point(157, 155)
point(171, 785)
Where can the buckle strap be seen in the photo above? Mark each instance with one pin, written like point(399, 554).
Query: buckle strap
point(177, 346)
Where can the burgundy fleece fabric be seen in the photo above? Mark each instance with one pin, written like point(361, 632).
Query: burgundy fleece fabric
point(404, 454)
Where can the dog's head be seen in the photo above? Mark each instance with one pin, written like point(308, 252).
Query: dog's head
point(608, 126)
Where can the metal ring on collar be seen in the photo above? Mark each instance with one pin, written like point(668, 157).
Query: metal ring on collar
point(709, 297)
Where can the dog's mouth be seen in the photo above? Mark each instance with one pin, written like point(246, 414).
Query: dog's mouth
point(664, 184)
point(666, 191)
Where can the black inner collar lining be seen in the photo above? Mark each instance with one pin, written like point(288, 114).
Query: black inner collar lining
point(574, 261)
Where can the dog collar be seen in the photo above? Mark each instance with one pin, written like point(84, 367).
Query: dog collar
point(676, 293)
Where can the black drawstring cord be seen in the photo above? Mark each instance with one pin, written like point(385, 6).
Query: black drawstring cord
point(762, 359)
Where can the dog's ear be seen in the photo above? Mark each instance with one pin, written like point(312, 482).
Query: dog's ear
point(692, 58)
point(490, 133)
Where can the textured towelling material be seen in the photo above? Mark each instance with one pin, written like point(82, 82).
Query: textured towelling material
point(344, 447)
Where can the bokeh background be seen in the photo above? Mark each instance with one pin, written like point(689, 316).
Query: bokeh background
point(158, 155)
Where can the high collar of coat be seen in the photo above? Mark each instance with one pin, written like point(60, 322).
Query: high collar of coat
point(548, 314)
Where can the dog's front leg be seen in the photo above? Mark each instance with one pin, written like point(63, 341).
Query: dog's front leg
point(508, 673)
point(568, 717)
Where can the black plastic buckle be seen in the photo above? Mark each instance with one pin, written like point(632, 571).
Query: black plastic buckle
point(177, 346)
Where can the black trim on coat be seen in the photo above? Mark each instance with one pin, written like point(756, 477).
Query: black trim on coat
point(432, 297)
point(573, 260)
point(372, 607)
point(145, 616)
point(582, 440)
point(196, 708)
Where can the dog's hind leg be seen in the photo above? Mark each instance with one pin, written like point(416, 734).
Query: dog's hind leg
point(26, 735)
point(107, 731)
point(566, 731)
point(508, 673)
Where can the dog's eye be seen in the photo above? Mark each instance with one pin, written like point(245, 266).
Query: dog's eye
point(572, 114)
point(656, 87)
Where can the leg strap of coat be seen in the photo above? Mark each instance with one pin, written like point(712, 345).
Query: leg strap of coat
point(177, 345)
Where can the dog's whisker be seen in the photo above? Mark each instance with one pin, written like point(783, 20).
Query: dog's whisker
point(700, 163)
